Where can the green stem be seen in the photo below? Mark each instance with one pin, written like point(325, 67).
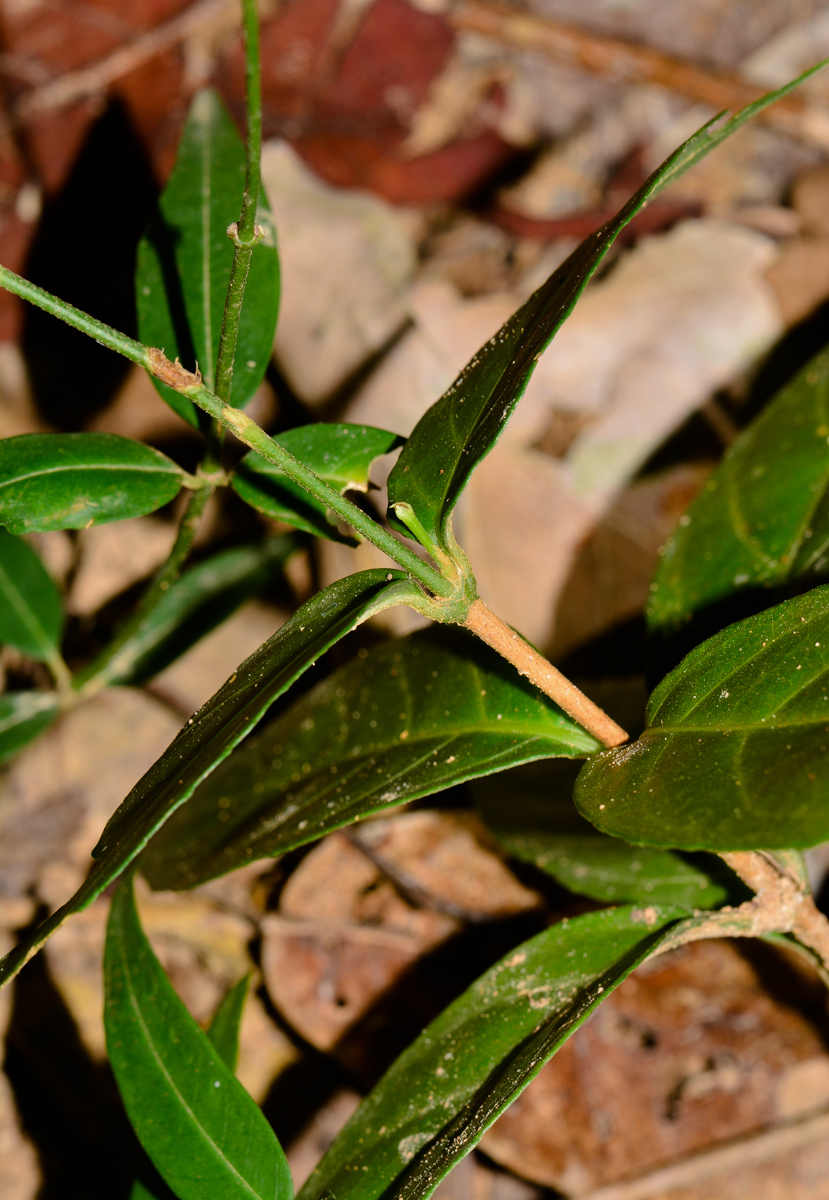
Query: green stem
point(111, 663)
point(243, 427)
point(245, 234)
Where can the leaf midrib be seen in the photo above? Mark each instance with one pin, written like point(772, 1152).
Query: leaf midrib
point(26, 615)
point(148, 468)
point(211, 1144)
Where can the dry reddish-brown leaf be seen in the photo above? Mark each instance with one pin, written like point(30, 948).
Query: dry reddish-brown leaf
point(342, 937)
point(447, 861)
point(697, 1048)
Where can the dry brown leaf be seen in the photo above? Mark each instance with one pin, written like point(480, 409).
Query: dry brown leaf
point(697, 1048)
point(56, 796)
point(342, 937)
point(347, 258)
point(447, 861)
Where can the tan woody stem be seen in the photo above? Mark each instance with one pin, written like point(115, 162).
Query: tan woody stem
point(497, 634)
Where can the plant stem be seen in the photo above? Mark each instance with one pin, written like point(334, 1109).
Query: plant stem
point(111, 663)
point(788, 907)
point(245, 233)
point(175, 376)
point(534, 666)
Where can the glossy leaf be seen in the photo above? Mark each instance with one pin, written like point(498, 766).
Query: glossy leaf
point(462, 427)
point(763, 516)
point(72, 480)
point(531, 814)
point(736, 753)
point(31, 615)
point(402, 720)
point(203, 1132)
point(216, 728)
point(23, 715)
point(342, 455)
point(447, 1088)
point(201, 599)
point(185, 257)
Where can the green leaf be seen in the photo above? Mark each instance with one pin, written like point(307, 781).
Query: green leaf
point(763, 516)
point(342, 455)
point(202, 1130)
point(211, 734)
point(224, 1028)
point(447, 1088)
point(23, 715)
point(201, 599)
point(404, 719)
point(185, 257)
point(736, 753)
point(72, 480)
point(223, 1033)
point(531, 814)
point(462, 427)
point(31, 614)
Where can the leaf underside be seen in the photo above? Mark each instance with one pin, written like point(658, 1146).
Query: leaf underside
point(405, 719)
point(447, 1088)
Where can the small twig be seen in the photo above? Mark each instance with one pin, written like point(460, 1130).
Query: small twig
point(720, 1160)
point(497, 634)
point(636, 64)
point(94, 79)
point(786, 906)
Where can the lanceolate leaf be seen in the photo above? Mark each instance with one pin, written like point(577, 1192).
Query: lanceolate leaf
point(763, 516)
point(30, 607)
point(463, 426)
point(204, 1133)
point(201, 599)
point(447, 1088)
point(185, 257)
point(340, 454)
point(223, 1032)
point(406, 719)
point(23, 715)
point(736, 753)
point(71, 480)
point(217, 727)
point(531, 814)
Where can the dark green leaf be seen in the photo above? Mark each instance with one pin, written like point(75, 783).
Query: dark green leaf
point(531, 814)
point(217, 727)
point(340, 454)
point(462, 427)
point(23, 715)
point(72, 480)
point(201, 599)
point(30, 606)
point(404, 719)
point(203, 1132)
point(736, 753)
point(224, 1028)
point(446, 1089)
point(763, 516)
point(185, 257)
